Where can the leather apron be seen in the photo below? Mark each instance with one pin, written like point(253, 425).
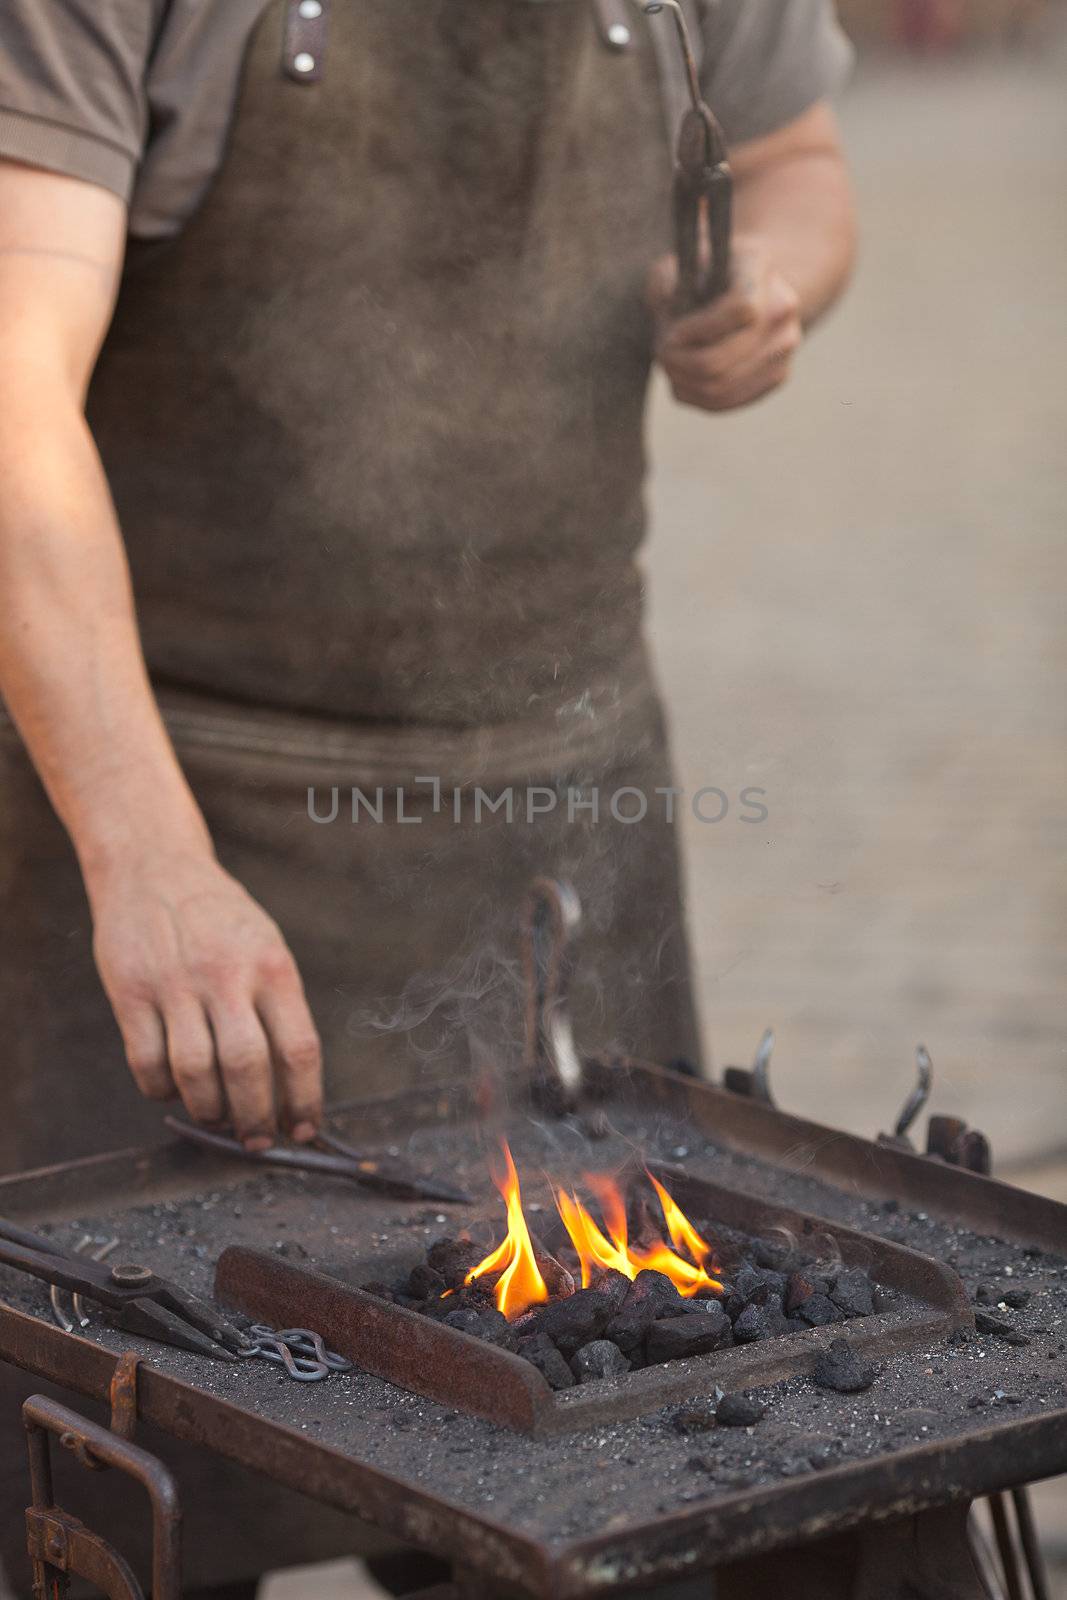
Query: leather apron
point(373, 425)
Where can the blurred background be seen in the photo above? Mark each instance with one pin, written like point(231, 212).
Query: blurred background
point(857, 591)
point(858, 600)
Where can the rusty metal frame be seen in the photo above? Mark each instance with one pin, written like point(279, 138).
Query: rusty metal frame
point(61, 1546)
point(418, 1353)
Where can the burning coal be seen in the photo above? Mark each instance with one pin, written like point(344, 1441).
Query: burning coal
point(653, 1287)
point(520, 1283)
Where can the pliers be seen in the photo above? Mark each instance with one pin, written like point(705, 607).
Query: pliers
point(136, 1299)
point(702, 196)
point(334, 1158)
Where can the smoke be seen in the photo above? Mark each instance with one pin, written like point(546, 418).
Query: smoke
point(468, 1013)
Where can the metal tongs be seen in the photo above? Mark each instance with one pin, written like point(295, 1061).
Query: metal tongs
point(333, 1158)
point(136, 1298)
point(703, 187)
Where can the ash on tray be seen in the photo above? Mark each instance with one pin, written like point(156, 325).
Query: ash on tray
point(620, 1321)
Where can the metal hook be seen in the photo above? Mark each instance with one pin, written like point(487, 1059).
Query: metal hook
point(754, 1082)
point(761, 1083)
point(919, 1095)
point(553, 915)
point(59, 1315)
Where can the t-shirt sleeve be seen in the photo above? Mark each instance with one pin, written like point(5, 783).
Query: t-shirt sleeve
point(72, 86)
point(767, 61)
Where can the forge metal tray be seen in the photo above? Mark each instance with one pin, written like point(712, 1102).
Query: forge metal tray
point(624, 1503)
point(483, 1380)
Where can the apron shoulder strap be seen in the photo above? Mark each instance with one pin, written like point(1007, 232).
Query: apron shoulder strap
point(305, 45)
point(615, 24)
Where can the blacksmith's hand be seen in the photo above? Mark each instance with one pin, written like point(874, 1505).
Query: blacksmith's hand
point(207, 995)
point(737, 349)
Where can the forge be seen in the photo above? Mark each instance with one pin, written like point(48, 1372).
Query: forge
point(629, 1482)
point(776, 1310)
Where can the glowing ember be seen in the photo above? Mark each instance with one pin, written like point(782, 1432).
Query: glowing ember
point(520, 1284)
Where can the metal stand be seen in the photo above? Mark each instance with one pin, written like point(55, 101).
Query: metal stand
point(60, 1546)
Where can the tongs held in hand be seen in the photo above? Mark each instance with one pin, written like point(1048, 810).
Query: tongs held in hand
point(702, 195)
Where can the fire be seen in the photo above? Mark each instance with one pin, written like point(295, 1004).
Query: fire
point(597, 1252)
point(520, 1284)
point(683, 1235)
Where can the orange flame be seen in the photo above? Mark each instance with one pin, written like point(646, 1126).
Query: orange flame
point(520, 1284)
point(596, 1253)
point(683, 1235)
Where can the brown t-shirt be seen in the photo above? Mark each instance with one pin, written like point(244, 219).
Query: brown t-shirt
point(136, 95)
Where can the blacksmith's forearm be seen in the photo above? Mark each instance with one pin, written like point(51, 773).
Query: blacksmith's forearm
point(801, 208)
point(71, 669)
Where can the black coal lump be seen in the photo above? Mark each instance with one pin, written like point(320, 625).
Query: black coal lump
point(739, 1411)
point(627, 1329)
point(465, 1319)
point(541, 1353)
point(614, 1284)
point(674, 1338)
point(775, 1281)
point(777, 1254)
point(496, 1328)
point(853, 1293)
point(750, 1283)
point(695, 1307)
point(839, 1367)
point(818, 1310)
point(426, 1284)
point(655, 1286)
point(651, 1295)
point(600, 1359)
point(800, 1287)
point(452, 1259)
point(575, 1321)
point(759, 1322)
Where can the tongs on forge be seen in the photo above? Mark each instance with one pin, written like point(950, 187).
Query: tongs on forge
point(333, 1158)
point(136, 1299)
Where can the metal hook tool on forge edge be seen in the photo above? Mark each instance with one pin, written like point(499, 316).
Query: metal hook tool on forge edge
point(703, 187)
point(553, 914)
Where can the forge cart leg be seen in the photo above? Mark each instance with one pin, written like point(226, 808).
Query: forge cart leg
point(925, 1557)
point(60, 1546)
